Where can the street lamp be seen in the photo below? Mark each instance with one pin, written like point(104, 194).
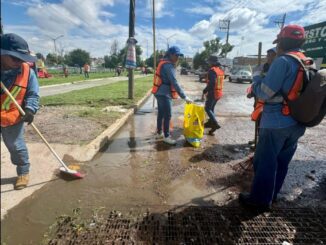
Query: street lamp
point(167, 39)
point(55, 39)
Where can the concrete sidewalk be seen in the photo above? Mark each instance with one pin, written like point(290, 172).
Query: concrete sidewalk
point(68, 87)
point(44, 167)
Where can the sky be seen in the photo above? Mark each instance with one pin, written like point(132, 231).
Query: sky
point(93, 25)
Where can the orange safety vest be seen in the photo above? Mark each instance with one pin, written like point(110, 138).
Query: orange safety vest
point(10, 114)
point(292, 95)
point(297, 85)
point(158, 80)
point(218, 89)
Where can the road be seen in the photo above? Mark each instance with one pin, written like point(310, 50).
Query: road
point(137, 170)
point(65, 88)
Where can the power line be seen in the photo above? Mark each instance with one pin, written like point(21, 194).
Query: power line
point(239, 4)
point(281, 22)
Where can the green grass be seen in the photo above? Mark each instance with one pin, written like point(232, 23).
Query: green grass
point(58, 79)
point(102, 96)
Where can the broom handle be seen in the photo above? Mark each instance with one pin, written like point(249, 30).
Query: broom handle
point(33, 125)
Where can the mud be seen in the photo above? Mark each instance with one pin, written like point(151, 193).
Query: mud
point(136, 170)
point(69, 124)
point(195, 225)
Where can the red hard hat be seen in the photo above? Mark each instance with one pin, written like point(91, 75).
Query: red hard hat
point(291, 31)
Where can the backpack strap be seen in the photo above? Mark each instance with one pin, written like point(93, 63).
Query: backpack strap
point(303, 66)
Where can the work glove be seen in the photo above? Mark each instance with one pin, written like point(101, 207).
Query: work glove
point(29, 116)
point(188, 100)
point(250, 92)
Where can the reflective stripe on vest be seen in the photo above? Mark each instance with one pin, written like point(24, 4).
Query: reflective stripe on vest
point(292, 94)
point(10, 114)
point(158, 80)
point(218, 89)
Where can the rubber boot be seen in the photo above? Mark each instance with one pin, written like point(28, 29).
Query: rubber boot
point(208, 124)
point(214, 128)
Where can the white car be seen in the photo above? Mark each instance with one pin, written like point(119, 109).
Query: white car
point(241, 76)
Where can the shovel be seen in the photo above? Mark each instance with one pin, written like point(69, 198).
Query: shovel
point(64, 169)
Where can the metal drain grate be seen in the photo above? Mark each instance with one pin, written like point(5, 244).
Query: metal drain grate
point(198, 225)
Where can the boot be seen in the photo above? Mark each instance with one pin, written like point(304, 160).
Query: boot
point(208, 124)
point(246, 202)
point(21, 182)
point(214, 128)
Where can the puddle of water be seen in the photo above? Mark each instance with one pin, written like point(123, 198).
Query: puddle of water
point(135, 169)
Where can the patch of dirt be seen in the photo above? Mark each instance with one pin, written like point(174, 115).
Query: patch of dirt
point(69, 124)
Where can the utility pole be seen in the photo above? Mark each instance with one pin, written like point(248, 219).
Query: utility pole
point(154, 48)
point(131, 34)
point(154, 38)
point(281, 23)
point(259, 53)
point(225, 25)
point(146, 49)
point(1, 30)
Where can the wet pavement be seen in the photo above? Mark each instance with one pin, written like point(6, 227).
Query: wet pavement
point(136, 170)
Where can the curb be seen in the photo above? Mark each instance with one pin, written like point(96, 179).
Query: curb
point(86, 153)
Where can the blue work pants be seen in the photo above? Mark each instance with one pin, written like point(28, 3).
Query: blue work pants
point(273, 154)
point(13, 137)
point(209, 108)
point(164, 105)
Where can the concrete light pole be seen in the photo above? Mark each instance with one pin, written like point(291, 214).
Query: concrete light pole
point(167, 39)
point(54, 40)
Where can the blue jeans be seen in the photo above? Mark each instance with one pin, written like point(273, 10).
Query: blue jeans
point(13, 137)
point(209, 108)
point(164, 105)
point(274, 152)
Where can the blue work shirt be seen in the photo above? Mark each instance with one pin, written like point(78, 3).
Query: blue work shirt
point(31, 100)
point(209, 89)
point(168, 77)
point(279, 79)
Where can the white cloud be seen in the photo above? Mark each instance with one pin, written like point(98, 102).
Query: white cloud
point(71, 14)
point(250, 19)
point(316, 13)
point(200, 10)
point(88, 25)
point(160, 9)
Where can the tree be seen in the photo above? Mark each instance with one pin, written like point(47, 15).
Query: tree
point(226, 48)
point(111, 61)
point(40, 56)
point(51, 59)
point(78, 57)
point(184, 63)
point(114, 48)
point(150, 60)
point(199, 60)
point(211, 47)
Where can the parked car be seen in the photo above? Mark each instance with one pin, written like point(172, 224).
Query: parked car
point(241, 76)
point(202, 76)
point(183, 71)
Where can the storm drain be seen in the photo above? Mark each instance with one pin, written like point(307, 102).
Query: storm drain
point(197, 225)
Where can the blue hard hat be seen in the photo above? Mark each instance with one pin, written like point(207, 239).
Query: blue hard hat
point(174, 50)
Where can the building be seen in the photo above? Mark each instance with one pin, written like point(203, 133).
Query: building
point(245, 61)
point(315, 45)
point(97, 62)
